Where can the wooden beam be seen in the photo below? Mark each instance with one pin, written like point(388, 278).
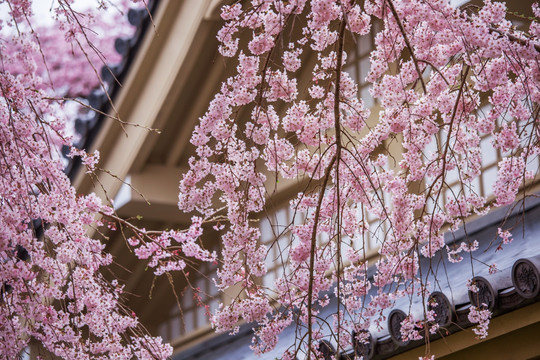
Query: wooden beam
point(147, 91)
point(159, 198)
point(498, 327)
point(211, 83)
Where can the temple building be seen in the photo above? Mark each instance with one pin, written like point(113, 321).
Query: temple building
point(170, 72)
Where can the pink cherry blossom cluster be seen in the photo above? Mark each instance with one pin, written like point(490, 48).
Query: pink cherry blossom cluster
point(439, 74)
point(481, 317)
point(167, 251)
point(52, 291)
point(55, 54)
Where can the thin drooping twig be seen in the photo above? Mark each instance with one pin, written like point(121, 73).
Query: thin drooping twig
point(339, 145)
point(515, 38)
point(406, 39)
point(312, 251)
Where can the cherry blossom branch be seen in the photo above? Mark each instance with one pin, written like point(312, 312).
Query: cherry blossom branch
point(337, 125)
point(406, 39)
point(313, 251)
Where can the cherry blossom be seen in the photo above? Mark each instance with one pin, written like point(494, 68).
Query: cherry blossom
point(444, 79)
point(52, 290)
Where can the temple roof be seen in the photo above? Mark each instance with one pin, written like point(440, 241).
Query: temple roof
point(515, 285)
point(112, 75)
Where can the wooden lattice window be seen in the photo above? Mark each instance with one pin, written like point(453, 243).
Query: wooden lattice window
point(491, 156)
point(358, 62)
point(199, 299)
point(276, 235)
